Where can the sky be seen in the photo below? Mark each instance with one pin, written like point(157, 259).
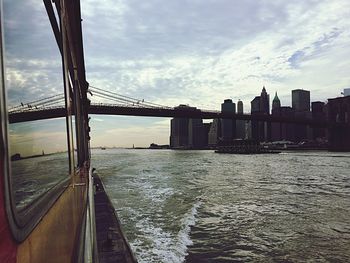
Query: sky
point(184, 52)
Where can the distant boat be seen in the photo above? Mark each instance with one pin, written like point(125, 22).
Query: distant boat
point(243, 147)
point(103, 148)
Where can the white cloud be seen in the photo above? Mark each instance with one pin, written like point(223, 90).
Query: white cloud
point(197, 52)
point(314, 29)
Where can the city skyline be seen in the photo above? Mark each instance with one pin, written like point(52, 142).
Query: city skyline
point(182, 52)
point(200, 53)
point(169, 121)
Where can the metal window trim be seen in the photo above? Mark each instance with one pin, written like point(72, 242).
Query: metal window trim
point(22, 222)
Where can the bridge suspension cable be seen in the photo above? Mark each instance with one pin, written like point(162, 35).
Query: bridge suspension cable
point(58, 100)
point(41, 103)
point(118, 102)
point(126, 99)
point(110, 96)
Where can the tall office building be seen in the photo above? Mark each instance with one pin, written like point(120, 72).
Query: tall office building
point(276, 126)
point(254, 125)
point(264, 101)
point(301, 100)
point(265, 130)
point(301, 106)
point(228, 127)
point(255, 105)
point(240, 124)
point(276, 103)
point(240, 107)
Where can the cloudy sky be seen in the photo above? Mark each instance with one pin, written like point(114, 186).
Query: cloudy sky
point(194, 52)
point(201, 52)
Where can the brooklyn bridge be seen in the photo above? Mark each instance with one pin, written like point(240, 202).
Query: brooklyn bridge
point(53, 107)
point(117, 104)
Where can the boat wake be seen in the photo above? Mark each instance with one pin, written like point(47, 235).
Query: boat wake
point(160, 245)
point(183, 236)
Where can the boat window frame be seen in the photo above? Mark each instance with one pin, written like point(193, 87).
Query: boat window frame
point(23, 221)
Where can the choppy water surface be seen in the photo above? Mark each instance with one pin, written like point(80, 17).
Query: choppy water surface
point(33, 177)
point(198, 206)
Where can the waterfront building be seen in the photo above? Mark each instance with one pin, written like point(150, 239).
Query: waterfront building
point(240, 124)
point(228, 127)
point(301, 106)
point(339, 112)
point(346, 92)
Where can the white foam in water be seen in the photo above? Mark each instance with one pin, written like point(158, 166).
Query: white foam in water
point(164, 246)
point(183, 237)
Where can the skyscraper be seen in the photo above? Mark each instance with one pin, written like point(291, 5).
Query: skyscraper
point(254, 125)
point(301, 100)
point(301, 106)
point(276, 126)
point(264, 127)
point(228, 127)
point(240, 107)
point(276, 102)
point(264, 102)
point(255, 105)
point(240, 124)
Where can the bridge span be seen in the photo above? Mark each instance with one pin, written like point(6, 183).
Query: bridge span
point(105, 109)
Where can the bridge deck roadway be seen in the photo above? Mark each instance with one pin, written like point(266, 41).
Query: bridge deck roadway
point(163, 112)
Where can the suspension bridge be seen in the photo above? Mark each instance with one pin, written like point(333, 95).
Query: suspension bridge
point(112, 103)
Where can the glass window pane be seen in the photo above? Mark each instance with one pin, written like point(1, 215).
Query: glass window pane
point(34, 83)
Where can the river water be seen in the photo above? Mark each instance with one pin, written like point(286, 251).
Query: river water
point(198, 206)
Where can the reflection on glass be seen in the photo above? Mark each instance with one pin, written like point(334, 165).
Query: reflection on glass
point(38, 157)
point(38, 148)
